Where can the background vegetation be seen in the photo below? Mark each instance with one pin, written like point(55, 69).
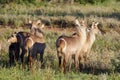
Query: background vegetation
point(58, 15)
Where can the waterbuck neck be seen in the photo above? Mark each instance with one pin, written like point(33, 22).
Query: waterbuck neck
point(82, 33)
point(91, 37)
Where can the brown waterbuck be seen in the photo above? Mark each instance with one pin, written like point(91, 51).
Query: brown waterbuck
point(71, 45)
point(91, 36)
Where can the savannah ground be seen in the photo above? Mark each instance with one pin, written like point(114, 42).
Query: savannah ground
point(104, 61)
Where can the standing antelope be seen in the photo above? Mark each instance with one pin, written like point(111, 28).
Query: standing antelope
point(91, 36)
point(71, 45)
point(34, 45)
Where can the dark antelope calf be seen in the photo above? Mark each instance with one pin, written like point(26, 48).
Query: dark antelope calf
point(71, 45)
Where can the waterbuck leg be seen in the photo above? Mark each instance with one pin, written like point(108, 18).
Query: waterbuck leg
point(30, 61)
point(77, 61)
point(41, 57)
point(70, 62)
point(60, 63)
point(64, 64)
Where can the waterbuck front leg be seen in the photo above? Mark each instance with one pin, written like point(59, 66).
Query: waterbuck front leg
point(70, 62)
point(87, 57)
point(81, 60)
point(77, 58)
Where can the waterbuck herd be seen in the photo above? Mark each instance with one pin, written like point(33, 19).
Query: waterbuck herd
point(31, 43)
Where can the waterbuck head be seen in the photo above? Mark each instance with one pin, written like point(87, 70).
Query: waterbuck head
point(36, 24)
point(80, 25)
point(13, 38)
point(36, 27)
point(94, 28)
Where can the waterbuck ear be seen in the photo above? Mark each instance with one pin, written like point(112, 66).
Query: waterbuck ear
point(77, 22)
point(96, 23)
point(93, 24)
point(42, 26)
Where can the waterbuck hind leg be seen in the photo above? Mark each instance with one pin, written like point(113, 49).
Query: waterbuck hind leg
point(64, 65)
point(77, 62)
point(41, 57)
point(60, 62)
point(30, 61)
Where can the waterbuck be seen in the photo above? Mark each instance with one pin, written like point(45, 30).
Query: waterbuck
point(71, 45)
point(34, 45)
point(91, 36)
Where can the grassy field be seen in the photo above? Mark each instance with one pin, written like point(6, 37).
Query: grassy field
point(104, 61)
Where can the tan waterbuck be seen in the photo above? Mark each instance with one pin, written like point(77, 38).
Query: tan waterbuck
point(71, 45)
point(91, 36)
